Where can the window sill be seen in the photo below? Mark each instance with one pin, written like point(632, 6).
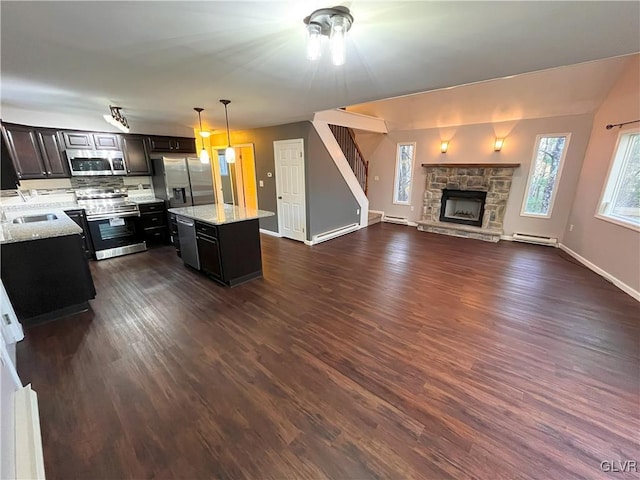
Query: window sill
point(620, 223)
point(407, 204)
point(535, 215)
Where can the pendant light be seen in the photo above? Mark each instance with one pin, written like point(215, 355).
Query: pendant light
point(204, 155)
point(229, 153)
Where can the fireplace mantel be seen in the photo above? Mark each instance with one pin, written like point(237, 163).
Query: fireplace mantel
point(472, 165)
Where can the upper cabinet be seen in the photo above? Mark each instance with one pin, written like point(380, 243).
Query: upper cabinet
point(54, 160)
point(136, 157)
point(90, 141)
point(35, 152)
point(8, 177)
point(158, 144)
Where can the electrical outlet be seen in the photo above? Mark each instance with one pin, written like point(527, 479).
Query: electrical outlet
point(376, 178)
point(571, 227)
point(262, 183)
point(412, 208)
point(358, 211)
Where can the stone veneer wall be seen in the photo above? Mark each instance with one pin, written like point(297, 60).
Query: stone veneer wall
point(495, 181)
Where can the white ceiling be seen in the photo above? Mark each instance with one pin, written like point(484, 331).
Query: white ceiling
point(158, 60)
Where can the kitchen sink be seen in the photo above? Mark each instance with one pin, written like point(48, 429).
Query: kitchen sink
point(46, 217)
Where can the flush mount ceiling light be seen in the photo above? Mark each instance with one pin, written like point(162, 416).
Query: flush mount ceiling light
point(204, 155)
point(333, 23)
point(229, 153)
point(117, 119)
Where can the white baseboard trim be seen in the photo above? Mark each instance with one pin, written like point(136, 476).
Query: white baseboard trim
point(270, 232)
point(508, 238)
point(377, 212)
point(591, 266)
point(331, 234)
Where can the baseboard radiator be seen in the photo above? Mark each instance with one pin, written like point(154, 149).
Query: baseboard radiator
point(323, 237)
point(394, 219)
point(537, 239)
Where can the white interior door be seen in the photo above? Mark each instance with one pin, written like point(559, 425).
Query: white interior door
point(289, 163)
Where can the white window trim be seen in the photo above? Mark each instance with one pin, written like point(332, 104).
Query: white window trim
point(534, 157)
point(395, 177)
point(612, 162)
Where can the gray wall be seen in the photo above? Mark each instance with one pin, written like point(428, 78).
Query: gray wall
point(330, 203)
point(613, 248)
point(474, 144)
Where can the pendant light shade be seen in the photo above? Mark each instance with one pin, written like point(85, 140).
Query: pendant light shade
point(204, 155)
point(229, 153)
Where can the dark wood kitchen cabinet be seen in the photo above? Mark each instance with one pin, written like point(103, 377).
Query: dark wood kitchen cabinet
point(159, 144)
point(91, 140)
point(79, 216)
point(155, 223)
point(8, 176)
point(54, 160)
point(35, 152)
point(230, 252)
point(47, 278)
point(135, 155)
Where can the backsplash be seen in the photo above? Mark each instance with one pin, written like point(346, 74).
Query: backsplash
point(97, 182)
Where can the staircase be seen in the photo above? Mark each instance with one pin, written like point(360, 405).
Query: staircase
point(345, 138)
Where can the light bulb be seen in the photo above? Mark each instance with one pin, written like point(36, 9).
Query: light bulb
point(230, 155)
point(338, 32)
point(204, 156)
point(314, 41)
point(205, 134)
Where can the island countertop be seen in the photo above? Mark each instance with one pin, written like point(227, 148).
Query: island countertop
point(13, 232)
point(220, 213)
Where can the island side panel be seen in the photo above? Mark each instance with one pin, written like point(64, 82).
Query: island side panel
point(240, 251)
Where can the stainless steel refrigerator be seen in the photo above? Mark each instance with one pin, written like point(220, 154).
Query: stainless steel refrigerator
point(182, 181)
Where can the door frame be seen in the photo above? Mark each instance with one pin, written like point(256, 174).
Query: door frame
point(218, 190)
point(276, 144)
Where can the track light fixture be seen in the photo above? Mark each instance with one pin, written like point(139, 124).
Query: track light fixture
point(117, 119)
point(229, 153)
point(333, 23)
point(204, 155)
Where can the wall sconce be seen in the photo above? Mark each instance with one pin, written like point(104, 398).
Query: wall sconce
point(444, 146)
point(497, 146)
point(333, 23)
point(117, 119)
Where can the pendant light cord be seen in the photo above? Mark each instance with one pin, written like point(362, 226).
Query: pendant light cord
point(227, 117)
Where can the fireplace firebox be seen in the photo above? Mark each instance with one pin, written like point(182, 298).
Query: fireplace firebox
point(463, 206)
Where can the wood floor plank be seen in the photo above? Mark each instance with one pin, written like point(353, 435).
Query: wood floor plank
point(386, 353)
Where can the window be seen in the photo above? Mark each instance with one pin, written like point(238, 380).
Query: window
point(620, 201)
point(544, 176)
point(404, 171)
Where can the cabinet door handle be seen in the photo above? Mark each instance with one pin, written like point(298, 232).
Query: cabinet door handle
point(44, 173)
point(49, 173)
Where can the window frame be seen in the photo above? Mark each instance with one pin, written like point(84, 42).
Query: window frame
point(613, 168)
point(532, 166)
point(395, 177)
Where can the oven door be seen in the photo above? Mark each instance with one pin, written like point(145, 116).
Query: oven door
point(116, 235)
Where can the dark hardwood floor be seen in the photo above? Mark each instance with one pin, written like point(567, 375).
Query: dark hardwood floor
point(386, 353)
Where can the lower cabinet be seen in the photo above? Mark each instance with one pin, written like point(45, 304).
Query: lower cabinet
point(78, 216)
point(154, 223)
point(230, 253)
point(47, 278)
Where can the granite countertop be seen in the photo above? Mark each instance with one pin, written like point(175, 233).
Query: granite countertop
point(219, 213)
point(19, 232)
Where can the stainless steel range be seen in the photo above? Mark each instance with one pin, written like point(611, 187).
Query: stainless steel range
point(114, 221)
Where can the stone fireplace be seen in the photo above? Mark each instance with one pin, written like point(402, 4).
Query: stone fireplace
point(466, 200)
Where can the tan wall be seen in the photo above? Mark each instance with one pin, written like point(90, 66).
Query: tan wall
point(474, 144)
point(613, 248)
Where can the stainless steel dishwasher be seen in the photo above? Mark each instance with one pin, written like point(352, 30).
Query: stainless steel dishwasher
point(188, 241)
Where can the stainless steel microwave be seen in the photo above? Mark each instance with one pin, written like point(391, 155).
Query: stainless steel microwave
point(96, 162)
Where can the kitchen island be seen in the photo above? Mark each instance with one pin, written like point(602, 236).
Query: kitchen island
point(220, 240)
point(43, 266)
